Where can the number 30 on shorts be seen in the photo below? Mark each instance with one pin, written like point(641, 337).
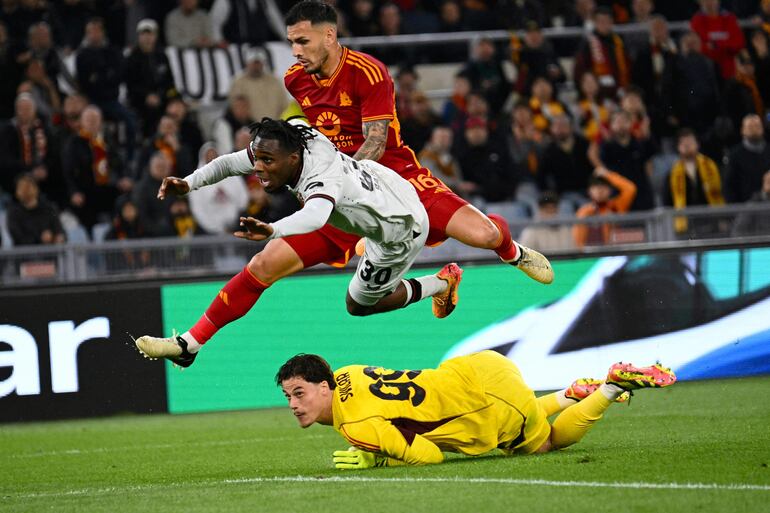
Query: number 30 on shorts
point(380, 276)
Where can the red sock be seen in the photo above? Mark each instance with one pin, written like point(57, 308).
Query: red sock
point(507, 250)
point(233, 302)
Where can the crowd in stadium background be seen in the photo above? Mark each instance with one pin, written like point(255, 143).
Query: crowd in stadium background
point(672, 120)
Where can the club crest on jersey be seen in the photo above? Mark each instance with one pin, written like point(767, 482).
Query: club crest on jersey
point(345, 100)
point(328, 123)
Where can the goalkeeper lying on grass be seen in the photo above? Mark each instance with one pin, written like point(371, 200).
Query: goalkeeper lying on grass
point(470, 404)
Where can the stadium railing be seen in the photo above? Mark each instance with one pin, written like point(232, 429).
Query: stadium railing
point(222, 255)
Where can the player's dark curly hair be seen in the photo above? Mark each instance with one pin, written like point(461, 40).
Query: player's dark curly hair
point(310, 367)
point(290, 137)
point(312, 11)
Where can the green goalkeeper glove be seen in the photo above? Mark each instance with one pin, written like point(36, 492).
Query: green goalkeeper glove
point(357, 459)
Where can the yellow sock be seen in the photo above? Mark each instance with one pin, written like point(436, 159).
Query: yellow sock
point(575, 421)
point(554, 403)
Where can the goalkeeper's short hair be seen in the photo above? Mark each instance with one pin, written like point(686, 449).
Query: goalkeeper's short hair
point(310, 367)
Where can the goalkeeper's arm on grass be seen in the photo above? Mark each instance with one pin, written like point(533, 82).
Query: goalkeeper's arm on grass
point(378, 443)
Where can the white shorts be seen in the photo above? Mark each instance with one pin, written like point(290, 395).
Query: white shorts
point(382, 266)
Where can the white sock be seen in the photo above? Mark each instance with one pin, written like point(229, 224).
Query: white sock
point(610, 391)
point(192, 345)
point(563, 400)
point(431, 285)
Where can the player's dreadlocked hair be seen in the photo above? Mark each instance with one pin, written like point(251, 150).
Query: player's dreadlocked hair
point(290, 137)
point(313, 11)
point(310, 367)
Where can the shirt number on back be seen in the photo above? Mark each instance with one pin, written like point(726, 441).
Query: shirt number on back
point(386, 387)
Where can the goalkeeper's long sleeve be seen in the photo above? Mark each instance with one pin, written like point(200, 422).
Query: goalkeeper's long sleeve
point(402, 447)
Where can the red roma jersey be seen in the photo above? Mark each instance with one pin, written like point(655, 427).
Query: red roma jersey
point(359, 90)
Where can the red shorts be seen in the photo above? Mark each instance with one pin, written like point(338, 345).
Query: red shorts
point(334, 247)
point(438, 199)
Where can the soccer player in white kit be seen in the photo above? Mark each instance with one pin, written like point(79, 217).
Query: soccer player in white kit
point(360, 197)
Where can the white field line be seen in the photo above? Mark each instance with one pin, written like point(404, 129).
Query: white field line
point(188, 445)
point(85, 492)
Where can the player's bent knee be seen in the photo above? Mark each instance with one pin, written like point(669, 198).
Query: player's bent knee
point(273, 263)
point(355, 309)
point(489, 236)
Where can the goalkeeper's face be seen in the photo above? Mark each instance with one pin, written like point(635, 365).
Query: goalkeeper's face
point(309, 402)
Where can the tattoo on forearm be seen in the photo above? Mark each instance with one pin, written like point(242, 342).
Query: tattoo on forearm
point(376, 135)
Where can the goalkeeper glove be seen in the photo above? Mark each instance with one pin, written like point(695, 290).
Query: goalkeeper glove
point(357, 459)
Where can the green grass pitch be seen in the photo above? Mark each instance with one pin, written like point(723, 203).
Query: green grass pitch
point(701, 446)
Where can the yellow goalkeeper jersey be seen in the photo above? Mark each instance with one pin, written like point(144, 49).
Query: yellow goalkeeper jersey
point(470, 404)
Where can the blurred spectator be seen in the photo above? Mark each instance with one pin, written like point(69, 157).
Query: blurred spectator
point(581, 15)
point(188, 26)
point(450, 20)
point(182, 220)
point(416, 129)
point(633, 103)
point(630, 158)
point(759, 49)
point(246, 21)
point(479, 15)
point(592, 113)
point(747, 162)
point(100, 73)
point(148, 76)
point(23, 144)
point(654, 72)
point(437, 156)
point(93, 170)
point(534, 57)
point(525, 141)
point(564, 166)
point(265, 93)
point(40, 46)
point(455, 106)
point(33, 219)
point(543, 105)
point(486, 73)
point(10, 71)
point(600, 192)
point(516, 14)
point(556, 237)
point(406, 86)
point(216, 208)
point(720, 35)
point(189, 131)
point(71, 17)
point(741, 96)
point(42, 88)
point(484, 165)
point(126, 224)
point(641, 12)
point(68, 127)
point(756, 223)
point(603, 53)
point(696, 95)
point(154, 215)
point(362, 21)
point(236, 116)
point(693, 180)
point(167, 140)
point(389, 19)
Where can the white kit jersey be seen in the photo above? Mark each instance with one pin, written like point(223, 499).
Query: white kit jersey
point(369, 199)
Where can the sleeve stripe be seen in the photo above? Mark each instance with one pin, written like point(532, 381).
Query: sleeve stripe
point(292, 70)
point(321, 195)
point(249, 153)
point(375, 118)
point(367, 72)
point(367, 61)
point(376, 75)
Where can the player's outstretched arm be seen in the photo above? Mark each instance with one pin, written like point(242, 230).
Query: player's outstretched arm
point(395, 448)
point(254, 229)
point(224, 166)
point(309, 218)
point(376, 138)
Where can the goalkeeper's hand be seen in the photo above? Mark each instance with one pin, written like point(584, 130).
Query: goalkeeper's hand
point(357, 459)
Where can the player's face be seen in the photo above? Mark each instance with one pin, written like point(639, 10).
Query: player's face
point(309, 402)
point(310, 44)
point(274, 166)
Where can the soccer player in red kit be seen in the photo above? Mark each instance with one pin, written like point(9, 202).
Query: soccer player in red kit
point(350, 98)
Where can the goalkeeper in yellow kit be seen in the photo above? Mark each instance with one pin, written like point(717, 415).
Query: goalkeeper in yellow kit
point(469, 404)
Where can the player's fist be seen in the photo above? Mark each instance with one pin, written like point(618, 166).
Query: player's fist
point(173, 185)
point(357, 459)
point(254, 229)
